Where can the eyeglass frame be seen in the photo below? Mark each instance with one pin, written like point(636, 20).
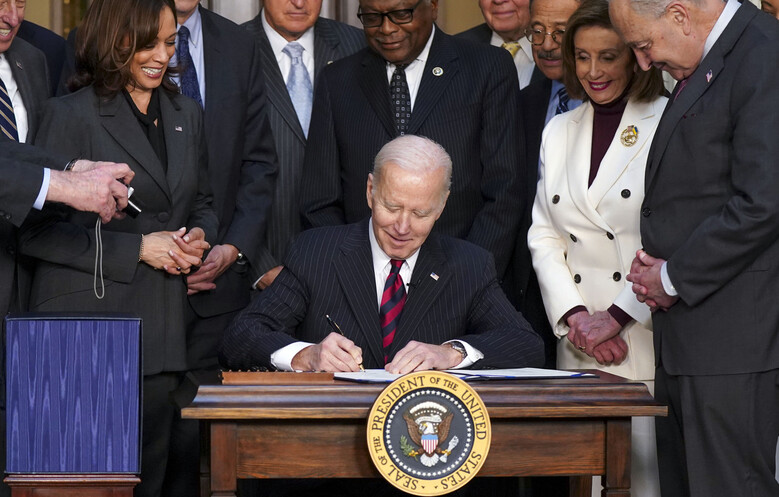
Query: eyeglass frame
point(389, 15)
point(529, 32)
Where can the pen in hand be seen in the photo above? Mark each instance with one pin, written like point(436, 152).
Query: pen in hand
point(337, 328)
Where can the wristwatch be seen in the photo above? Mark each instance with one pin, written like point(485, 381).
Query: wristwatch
point(459, 348)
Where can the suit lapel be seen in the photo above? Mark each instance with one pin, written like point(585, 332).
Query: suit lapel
point(697, 84)
point(374, 84)
point(619, 156)
point(174, 128)
point(216, 83)
point(354, 270)
point(434, 83)
point(579, 146)
point(119, 121)
point(22, 82)
point(424, 291)
point(278, 96)
point(325, 47)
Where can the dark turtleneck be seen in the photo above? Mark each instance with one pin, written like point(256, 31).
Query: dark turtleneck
point(604, 126)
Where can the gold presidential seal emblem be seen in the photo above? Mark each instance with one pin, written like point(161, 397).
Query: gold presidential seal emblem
point(428, 433)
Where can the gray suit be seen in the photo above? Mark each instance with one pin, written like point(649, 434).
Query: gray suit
point(332, 41)
point(711, 209)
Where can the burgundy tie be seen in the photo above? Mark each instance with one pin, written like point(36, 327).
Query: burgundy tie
point(392, 300)
point(681, 84)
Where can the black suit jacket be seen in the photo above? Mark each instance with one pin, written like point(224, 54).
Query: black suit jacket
point(50, 43)
point(332, 41)
point(241, 157)
point(83, 125)
point(21, 183)
point(483, 34)
point(28, 66)
point(330, 271)
point(712, 210)
point(470, 108)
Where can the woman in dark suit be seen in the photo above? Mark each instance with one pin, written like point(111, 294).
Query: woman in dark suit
point(128, 110)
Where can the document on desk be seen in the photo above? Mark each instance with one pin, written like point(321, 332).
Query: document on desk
point(382, 376)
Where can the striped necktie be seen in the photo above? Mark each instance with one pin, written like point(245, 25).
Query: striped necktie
point(392, 300)
point(7, 117)
point(189, 83)
point(562, 101)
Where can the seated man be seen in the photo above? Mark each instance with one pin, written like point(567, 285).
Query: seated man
point(406, 299)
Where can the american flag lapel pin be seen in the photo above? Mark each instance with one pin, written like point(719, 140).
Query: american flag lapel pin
point(178, 128)
point(709, 75)
point(434, 276)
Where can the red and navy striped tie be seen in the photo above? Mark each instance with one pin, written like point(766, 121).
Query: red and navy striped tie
point(392, 300)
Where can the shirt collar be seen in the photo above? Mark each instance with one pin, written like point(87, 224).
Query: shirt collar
point(380, 259)
point(424, 54)
point(195, 26)
point(277, 42)
point(524, 44)
point(719, 27)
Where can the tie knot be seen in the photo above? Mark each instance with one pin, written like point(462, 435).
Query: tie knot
point(562, 94)
point(396, 263)
point(183, 34)
point(511, 46)
point(294, 50)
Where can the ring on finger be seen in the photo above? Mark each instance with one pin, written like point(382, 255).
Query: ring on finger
point(178, 268)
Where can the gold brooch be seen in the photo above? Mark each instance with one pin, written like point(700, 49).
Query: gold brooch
point(629, 137)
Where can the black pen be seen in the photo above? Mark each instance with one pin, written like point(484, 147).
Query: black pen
point(337, 328)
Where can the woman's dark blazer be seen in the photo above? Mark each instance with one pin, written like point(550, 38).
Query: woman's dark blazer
point(86, 126)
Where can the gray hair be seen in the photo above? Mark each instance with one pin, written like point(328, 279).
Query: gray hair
point(415, 154)
point(655, 8)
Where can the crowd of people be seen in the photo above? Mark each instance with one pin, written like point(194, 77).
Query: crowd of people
point(526, 193)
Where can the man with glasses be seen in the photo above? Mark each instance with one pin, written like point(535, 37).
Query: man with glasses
point(539, 102)
point(504, 26)
point(415, 79)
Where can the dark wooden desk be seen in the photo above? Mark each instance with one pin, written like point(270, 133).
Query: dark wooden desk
point(575, 427)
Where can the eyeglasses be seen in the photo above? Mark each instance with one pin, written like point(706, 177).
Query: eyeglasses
point(376, 19)
point(537, 36)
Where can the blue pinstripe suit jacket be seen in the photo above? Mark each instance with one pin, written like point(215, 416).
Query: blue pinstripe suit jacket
point(329, 271)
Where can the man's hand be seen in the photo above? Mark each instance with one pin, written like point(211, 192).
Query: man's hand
point(334, 353)
point(269, 277)
point(588, 331)
point(219, 259)
point(647, 283)
point(95, 187)
point(417, 356)
point(612, 351)
point(174, 251)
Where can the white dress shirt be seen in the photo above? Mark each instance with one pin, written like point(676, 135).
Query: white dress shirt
point(277, 44)
point(414, 71)
point(195, 26)
point(523, 59)
point(282, 358)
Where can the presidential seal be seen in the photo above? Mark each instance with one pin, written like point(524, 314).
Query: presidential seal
point(428, 433)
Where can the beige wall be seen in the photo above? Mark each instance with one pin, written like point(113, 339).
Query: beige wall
point(455, 16)
point(39, 12)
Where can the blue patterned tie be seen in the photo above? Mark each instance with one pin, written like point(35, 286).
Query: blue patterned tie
point(562, 101)
point(401, 99)
point(299, 87)
point(189, 84)
point(7, 117)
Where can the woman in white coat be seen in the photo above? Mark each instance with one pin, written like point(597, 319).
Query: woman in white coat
point(585, 230)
